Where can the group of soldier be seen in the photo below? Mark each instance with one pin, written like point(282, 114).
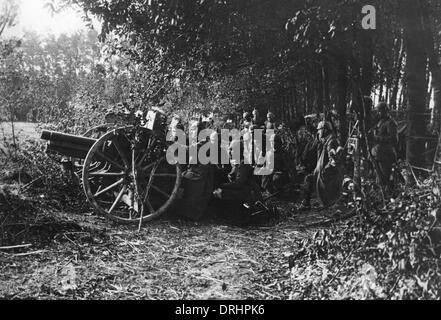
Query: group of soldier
point(237, 184)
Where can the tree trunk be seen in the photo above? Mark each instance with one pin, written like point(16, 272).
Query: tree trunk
point(397, 77)
point(434, 68)
point(436, 85)
point(327, 97)
point(405, 96)
point(427, 86)
point(294, 102)
point(416, 80)
point(319, 88)
point(381, 92)
point(305, 98)
point(342, 85)
point(367, 63)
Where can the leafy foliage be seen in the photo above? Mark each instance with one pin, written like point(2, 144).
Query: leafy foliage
point(391, 252)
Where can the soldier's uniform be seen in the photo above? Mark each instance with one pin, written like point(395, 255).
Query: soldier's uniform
point(259, 124)
point(325, 147)
point(246, 121)
point(270, 123)
point(384, 149)
point(242, 187)
point(276, 181)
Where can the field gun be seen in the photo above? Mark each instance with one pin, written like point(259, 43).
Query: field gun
point(123, 171)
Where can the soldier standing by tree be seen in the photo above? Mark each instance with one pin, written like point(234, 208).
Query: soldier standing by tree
point(385, 139)
point(326, 151)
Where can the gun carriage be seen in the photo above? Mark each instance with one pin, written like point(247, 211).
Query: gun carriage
point(123, 168)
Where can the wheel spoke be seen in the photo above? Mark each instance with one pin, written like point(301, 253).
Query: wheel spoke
point(132, 200)
point(106, 158)
point(109, 188)
point(107, 174)
point(94, 166)
point(149, 144)
point(165, 194)
point(121, 152)
point(149, 206)
point(144, 156)
point(151, 165)
point(135, 182)
point(150, 183)
point(156, 163)
point(118, 176)
point(118, 198)
point(125, 136)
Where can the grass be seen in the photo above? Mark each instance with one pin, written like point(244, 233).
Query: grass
point(23, 130)
point(65, 251)
point(70, 253)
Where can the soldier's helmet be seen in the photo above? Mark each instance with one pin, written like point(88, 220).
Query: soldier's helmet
point(270, 115)
point(324, 125)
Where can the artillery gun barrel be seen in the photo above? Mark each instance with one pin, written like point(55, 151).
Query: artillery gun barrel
point(67, 144)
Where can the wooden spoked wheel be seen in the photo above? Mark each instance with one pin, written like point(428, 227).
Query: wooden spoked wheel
point(98, 131)
point(94, 133)
point(126, 176)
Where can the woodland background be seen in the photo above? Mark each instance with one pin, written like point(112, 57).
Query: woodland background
point(293, 58)
point(290, 57)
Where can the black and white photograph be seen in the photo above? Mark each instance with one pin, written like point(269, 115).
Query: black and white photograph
point(238, 151)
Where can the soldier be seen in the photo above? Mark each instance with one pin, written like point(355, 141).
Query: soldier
point(242, 188)
point(326, 152)
point(246, 121)
point(281, 168)
point(385, 139)
point(257, 124)
point(221, 170)
point(309, 154)
point(270, 123)
point(176, 127)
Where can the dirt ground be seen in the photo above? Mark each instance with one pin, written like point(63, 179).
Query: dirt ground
point(52, 246)
point(70, 253)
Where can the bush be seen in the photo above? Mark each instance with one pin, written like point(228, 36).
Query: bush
point(391, 252)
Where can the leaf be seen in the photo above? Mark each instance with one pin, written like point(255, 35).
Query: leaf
point(381, 245)
point(69, 277)
point(423, 284)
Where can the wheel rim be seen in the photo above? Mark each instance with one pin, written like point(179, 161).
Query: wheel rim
point(96, 133)
point(126, 177)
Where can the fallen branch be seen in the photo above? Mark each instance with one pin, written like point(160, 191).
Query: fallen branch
point(16, 247)
point(342, 265)
point(30, 184)
point(349, 215)
point(29, 253)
